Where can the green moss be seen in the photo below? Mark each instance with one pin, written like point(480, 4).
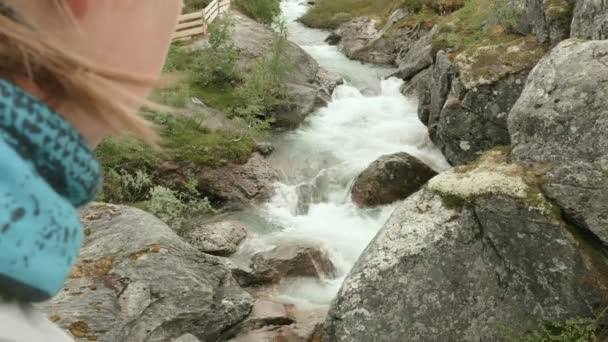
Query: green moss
point(558, 9)
point(126, 153)
point(452, 202)
point(186, 140)
point(484, 55)
point(263, 11)
point(329, 14)
point(581, 329)
point(219, 96)
point(195, 5)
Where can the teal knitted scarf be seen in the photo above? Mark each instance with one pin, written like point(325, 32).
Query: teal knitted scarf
point(47, 170)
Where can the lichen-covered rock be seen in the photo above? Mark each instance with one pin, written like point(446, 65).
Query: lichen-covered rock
point(238, 185)
point(433, 92)
point(416, 58)
point(136, 280)
point(475, 121)
point(560, 121)
point(360, 39)
point(219, 238)
point(390, 178)
point(590, 19)
point(466, 109)
point(295, 260)
point(478, 249)
point(357, 35)
point(549, 20)
point(491, 62)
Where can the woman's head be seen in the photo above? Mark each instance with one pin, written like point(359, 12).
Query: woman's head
point(94, 61)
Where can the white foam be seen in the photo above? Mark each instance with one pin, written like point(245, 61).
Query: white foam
point(330, 150)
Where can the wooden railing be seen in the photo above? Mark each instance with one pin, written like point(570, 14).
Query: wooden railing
point(197, 23)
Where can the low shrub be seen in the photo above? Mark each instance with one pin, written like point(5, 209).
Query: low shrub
point(176, 208)
point(217, 64)
point(263, 11)
point(573, 330)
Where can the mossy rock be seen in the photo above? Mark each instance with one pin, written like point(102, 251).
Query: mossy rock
point(493, 174)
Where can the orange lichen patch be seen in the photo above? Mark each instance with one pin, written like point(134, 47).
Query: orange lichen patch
point(93, 268)
point(55, 318)
point(81, 329)
point(150, 249)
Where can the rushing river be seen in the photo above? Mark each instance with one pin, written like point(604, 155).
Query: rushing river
point(367, 118)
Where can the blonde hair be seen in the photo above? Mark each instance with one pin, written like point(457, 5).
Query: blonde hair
point(66, 77)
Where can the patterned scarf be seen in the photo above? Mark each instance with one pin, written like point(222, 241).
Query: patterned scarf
point(57, 151)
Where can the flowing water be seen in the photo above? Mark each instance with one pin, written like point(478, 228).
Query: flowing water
point(367, 118)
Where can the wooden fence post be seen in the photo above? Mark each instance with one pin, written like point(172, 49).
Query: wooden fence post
point(205, 25)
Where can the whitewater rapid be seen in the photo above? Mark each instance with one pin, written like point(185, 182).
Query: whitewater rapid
point(368, 117)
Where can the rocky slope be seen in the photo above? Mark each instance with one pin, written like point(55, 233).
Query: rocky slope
point(137, 280)
point(478, 248)
point(560, 121)
point(512, 237)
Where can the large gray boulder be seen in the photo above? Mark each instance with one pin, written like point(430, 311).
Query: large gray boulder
point(390, 178)
point(590, 19)
point(415, 58)
point(361, 40)
point(560, 122)
point(478, 249)
point(465, 102)
point(473, 121)
point(548, 20)
point(307, 82)
point(136, 280)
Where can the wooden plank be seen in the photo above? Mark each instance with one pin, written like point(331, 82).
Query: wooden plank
point(189, 33)
point(191, 16)
point(211, 6)
point(190, 24)
point(212, 17)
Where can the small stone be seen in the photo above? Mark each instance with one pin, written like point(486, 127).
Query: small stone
point(333, 39)
point(295, 260)
point(264, 148)
point(219, 238)
point(187, 338)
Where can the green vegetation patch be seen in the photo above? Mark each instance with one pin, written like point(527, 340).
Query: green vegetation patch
point(572, 330)
point(127, 153)
point(195, 5)
point(132, 169)
point(485, 54)
point(556, 10)
point(186, 140)
point(329, 14)
point(263, 11)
